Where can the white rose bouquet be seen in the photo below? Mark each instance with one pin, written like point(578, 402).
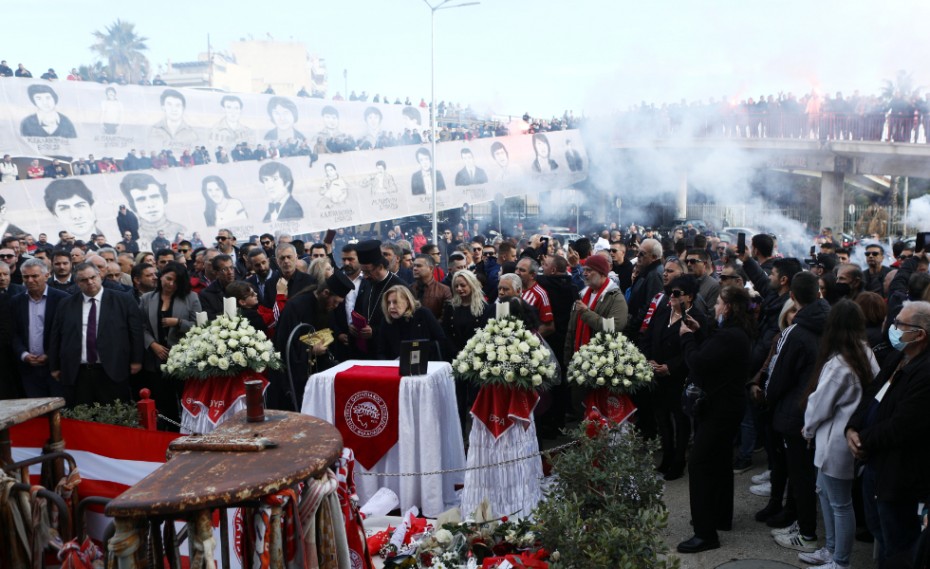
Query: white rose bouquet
point(504, 352)
point(612, 361)
point(226, 346)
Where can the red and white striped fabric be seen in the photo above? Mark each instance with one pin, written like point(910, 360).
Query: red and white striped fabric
point(110, 458)
point(537, 297)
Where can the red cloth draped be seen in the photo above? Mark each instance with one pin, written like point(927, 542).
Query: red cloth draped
point(499, 407)
point(217, 394)
point(367, 410)
point(616, 407)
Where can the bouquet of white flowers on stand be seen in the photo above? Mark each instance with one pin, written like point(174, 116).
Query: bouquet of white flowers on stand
point(613, 367)
point(510, 363)
point(216, 359)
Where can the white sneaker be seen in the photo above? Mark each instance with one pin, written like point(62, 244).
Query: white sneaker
point(762, 478)
point(830, 565)
point(764, 489)
point(793, 528)
point(797, 542)
point(820, 557)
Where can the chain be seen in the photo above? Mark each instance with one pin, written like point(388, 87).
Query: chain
point(493, 465)
point(176, 424)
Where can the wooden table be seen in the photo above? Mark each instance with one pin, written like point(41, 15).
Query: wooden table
point(193, 482)
point(16, 411)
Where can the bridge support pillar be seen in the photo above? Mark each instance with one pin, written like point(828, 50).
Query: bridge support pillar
point(831, 201)
point(681, 199)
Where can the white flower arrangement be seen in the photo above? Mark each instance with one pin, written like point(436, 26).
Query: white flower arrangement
point(504, 352)
point(226, 346)
point(612, 361)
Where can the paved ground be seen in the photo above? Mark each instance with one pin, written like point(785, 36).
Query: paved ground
point(749, 538)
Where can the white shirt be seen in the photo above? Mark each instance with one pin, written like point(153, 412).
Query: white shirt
point(353, 295)
point(85, 312)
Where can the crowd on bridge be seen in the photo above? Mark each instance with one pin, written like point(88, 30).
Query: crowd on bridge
point(820, 362)
point(895, 117)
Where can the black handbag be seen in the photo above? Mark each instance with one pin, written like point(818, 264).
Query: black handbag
point(693, 400)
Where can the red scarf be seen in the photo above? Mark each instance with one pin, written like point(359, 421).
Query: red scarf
point(652, 309)
point(582, 330)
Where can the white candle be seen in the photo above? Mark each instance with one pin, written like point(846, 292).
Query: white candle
point(608, 324)
point(229, 307)
point(201, 318)
point(503, 310)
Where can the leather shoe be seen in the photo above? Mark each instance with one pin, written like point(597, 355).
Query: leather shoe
point(697, 545)
point(768, 511)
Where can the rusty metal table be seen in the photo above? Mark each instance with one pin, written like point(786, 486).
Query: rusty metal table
point(196, 481)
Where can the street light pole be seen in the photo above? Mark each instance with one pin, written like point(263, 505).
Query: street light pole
point(443, 5)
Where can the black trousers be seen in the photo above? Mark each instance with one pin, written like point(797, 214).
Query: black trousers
point(710, 473)
point(673, 425)
point(94, 386)
point(803, 474)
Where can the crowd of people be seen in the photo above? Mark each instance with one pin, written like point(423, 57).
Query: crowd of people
point(818, 362)
point(899, 117)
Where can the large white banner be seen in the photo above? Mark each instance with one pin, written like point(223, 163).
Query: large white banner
point(249, 197)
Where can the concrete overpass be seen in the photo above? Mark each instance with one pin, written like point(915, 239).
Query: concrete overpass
point(861, 163)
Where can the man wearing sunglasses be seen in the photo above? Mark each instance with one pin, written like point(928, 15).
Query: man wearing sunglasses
point(874, 276)
point(698, 265)
point(886, 433)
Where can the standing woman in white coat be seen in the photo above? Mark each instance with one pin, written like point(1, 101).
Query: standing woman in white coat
point(845, 366)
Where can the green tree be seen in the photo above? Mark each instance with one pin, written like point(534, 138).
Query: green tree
point(122, 48)
point(902, 83)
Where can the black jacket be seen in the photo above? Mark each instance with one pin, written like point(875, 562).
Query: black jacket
point(562, 296)
point(421, 326)
point(896, 441)
point(770, 310)
point(459, 324)
point(644, 288)
point(719, 366)
point(794, 365)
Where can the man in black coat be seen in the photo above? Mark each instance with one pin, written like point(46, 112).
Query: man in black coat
point(792, 366)
point(211, 298)
point(93, 359)
point(645, 287)
point(126, 220)
point(888, 432)
point(562, 296)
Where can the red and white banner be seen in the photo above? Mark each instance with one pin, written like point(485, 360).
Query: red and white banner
point(110, 458)
point(367, 411)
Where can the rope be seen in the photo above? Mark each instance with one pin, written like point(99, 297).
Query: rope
point(465, 469)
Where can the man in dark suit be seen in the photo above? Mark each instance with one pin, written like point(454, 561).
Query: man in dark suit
point(263, 276)
point(96, 342)
point(470, 174)
point(7, 287)
point(420, 183)
point(211, 298)
point(287, 267)
point(279, 185)
point(32, 314)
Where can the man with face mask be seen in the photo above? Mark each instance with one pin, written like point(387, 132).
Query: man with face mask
point(886, 433)
point(848, 281)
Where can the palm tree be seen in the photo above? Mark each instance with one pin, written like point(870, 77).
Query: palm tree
point(903, 83)
point(122, 48)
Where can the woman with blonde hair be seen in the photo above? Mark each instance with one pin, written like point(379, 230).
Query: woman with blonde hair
point(464, 315)
point(405, 319)
point(320, 269)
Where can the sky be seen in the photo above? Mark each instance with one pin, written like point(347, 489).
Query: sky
point(593, 57)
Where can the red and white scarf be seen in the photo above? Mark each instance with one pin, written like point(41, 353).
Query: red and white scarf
point(591, 298)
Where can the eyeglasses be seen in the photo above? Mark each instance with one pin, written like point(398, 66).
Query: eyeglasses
point(7, 256)
point(902, 257)
point(615, 250)
point(266, 243)
point(677, 293)
point(184, 250)
point(693, 261)
point(221, 238)
point(873, 254)
point(476, 250)
point(488, 254)
point(728, 277)
point(897, 324)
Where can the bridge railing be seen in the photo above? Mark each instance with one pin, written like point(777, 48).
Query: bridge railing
point(885, 127)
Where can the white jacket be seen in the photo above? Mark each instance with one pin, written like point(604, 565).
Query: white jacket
point(8, 172)
point(829, 408)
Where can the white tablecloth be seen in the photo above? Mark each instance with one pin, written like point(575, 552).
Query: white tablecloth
point(429, 437)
